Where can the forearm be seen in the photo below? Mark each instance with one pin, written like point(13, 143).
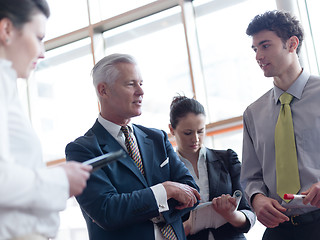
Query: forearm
point(237, 219)
point(26, 188)
point(113, 211)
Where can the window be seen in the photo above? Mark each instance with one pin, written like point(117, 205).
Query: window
point(158, 44)
point(66, 16)
point(103, 9)
point(63, 100)
point(314, 20)
point(233, 78)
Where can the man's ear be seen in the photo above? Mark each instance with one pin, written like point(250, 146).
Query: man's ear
point(102, 89)
point(6, 30)
point(293, 43)
point(171, 130)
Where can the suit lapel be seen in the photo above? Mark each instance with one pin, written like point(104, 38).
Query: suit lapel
point(146, 151)
point(214, 170)
point(109, 144)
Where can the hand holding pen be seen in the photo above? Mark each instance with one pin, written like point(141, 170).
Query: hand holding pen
point(312, 195)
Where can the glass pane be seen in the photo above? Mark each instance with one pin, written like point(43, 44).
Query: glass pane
point(227, 140)
point(104, 9)
point(233, 78)
point(158, 44)
point(63, 100)
point(66, 16)
point(313, 10)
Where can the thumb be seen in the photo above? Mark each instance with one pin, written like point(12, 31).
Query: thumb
point(277, 205)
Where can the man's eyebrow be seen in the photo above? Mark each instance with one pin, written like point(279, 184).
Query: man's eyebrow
point(260, 43)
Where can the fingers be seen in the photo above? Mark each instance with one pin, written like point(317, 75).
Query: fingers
point(196, 193)
point(77, 175)
point(86, 168)
point(187, 196)
point(225, 199)
point(268, 219)
point(312, 195)
point(271, 216)
point(268, 211)
point(224, 205)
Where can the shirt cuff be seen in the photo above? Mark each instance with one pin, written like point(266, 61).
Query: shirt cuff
point(160, 195)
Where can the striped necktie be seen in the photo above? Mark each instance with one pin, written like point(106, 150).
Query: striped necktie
point(168, 232)
point(287, 171)
point(132, 148)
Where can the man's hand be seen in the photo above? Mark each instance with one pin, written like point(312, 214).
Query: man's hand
point(313, 195)
point(268, 211)
point(77, 175)
point(187, 196)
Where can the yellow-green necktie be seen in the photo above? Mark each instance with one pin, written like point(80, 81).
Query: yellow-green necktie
point(288, 180)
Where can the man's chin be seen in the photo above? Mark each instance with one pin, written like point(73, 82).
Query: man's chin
point(268, 74)
point(136, 114)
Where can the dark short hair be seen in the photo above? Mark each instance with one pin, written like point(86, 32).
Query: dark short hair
point(181, 106)
point(21, 11)
point(281, 22)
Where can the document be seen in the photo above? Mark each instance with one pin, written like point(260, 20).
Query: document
point(204, 216)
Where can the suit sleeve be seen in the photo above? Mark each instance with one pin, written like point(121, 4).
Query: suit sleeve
point(235, 169)
point(114, 198)
point(178, 173)
point(101, 200)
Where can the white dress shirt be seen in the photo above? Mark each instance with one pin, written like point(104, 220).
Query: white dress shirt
point(258, 173)
point(158, 190)
point(31, 195)
point(202, 181)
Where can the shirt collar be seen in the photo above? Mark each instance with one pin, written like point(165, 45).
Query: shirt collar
point(202, 154)
point(112, 128)
point(295, 89)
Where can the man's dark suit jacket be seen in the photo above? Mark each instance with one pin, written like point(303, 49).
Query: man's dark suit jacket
point(118, 203)
point(224, 178)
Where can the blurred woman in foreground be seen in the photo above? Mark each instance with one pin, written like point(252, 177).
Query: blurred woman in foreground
point(31, 194)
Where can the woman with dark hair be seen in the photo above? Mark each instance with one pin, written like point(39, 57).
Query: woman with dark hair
point(216, 172)
point(31, 195)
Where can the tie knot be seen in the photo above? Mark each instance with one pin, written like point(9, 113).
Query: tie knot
point(125, 130)
point(286, 98)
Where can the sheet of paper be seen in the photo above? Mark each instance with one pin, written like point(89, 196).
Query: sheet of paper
point(204, 216)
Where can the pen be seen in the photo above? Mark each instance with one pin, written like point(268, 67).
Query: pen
point(293, 196)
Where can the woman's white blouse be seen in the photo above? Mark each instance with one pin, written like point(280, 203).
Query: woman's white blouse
point(31, 195)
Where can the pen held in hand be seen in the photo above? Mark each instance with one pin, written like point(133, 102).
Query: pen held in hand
point(293, 196)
